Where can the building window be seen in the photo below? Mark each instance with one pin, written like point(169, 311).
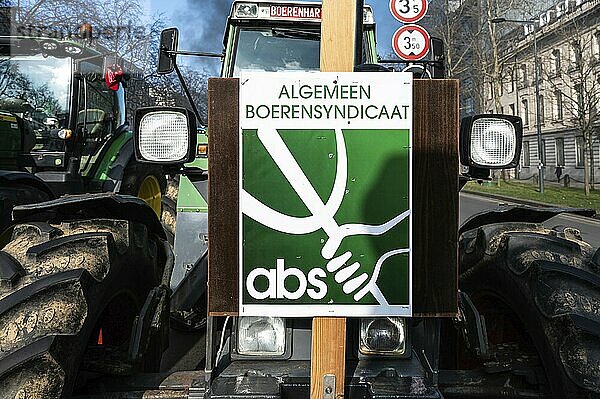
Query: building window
point(512, 109)
point(526, 154)
point(560, 151)
point(561, 9)
point(580, 151)
point(512, 81)
point(525, 112)
point(543, 154)
point(557, 106)
point(575, 55)
point(523, 75)
point(578, 96)
point(542, 112)
point(467, 84)
point(596, 44)
point(555, 62)
point(470, 105)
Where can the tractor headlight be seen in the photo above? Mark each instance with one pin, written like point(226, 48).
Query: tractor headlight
point(491, 141)
point(261, 336)
point(73, 50)
point(383, 336)
point(165, 135)
point(49, 45)
point(65, 134)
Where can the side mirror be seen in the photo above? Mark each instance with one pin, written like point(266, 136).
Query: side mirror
point(437, 55)
point(113, 71)
point(165, 135)
point(491, 141)
point(169, 41)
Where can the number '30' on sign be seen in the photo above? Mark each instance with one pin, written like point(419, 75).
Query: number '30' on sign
point(408, 11)
point(411, 42)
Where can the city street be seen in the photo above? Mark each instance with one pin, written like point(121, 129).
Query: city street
point(471, 204)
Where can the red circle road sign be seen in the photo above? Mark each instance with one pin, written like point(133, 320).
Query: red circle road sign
point(411, 42)
point(408, 11)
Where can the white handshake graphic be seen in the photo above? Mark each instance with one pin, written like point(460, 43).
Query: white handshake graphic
point(354, 276)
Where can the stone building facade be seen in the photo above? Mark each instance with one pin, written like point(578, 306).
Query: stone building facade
point(568, 42)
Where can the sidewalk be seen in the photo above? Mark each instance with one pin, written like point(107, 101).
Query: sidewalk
point(519, 192)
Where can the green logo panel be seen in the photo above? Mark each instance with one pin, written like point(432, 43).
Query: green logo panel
point(325, 217)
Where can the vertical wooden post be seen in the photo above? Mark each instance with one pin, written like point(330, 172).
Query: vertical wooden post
point(338, 35)
point(328, 352)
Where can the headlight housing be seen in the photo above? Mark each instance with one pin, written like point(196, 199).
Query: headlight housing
point(491, 141)
point(165, 135)
point(383, 336)
point(261, 336)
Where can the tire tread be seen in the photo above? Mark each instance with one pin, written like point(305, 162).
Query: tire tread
point(557, 273)
point(68, 270)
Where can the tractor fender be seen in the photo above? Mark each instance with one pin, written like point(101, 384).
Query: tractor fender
point(116, 170)
point(18, 188)
point(11, 178)
point(520, 213)
point(91, 206)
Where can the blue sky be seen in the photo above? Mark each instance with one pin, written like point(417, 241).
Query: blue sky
point(202, 23)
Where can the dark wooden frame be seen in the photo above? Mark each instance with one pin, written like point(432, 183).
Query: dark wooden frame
point(435, 197)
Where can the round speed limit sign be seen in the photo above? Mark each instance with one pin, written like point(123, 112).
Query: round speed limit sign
point(411, 42)
point(408, 11)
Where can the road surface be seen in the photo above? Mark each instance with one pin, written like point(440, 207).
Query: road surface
point(471, 204)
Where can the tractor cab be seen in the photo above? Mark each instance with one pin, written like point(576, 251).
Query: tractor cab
point(281, 37)
point(58, 111)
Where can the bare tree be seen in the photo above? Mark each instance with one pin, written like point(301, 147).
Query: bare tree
point(167, 90)
point(458, 24)
point(120, 26)
point(475, 47)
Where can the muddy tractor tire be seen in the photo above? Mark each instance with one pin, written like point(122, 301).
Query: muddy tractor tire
point(69, 297)
point(549, 280)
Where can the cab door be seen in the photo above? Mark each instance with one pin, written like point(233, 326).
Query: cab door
point(100, 116)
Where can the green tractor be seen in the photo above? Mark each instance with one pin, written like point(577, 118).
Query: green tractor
point(63, 125)
point(90, 285)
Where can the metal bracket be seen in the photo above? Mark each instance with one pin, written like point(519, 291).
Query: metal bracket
point(329, 386)
point(473, 327)
point(430, 355)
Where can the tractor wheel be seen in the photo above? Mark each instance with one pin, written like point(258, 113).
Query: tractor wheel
point(145, 181)
point(169, 208)
point(69, 296)
point(547, 281)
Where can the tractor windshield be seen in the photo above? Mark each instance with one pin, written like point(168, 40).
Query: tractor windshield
point(277, 49)
point(37, 89)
